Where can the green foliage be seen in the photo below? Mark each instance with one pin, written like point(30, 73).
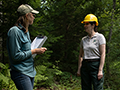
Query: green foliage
point(113, 82)
point(60, 21)
point(46, 75)
point(3, 74)
point(5, 80)
point(68, 81)
point(110, 21)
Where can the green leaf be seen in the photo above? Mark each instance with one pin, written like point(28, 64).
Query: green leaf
point(4, 78)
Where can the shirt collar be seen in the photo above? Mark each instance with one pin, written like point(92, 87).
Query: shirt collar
point(21, 27)
point(93, 36)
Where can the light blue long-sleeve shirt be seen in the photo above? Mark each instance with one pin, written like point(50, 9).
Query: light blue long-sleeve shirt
point(19, 50)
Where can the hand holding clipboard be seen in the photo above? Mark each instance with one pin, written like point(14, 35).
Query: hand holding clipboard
point(38, 43)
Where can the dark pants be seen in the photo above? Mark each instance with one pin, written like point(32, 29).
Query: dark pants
point(89, 78)
point(22, 82)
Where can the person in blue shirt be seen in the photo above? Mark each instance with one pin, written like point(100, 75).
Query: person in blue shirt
point(19, 49)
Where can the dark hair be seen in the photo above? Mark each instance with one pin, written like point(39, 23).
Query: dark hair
point(95, 28)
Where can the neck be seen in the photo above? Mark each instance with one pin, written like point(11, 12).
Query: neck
point(26, 28)
point(92, 33)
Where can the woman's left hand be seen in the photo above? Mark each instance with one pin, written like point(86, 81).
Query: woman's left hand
point(100, 75)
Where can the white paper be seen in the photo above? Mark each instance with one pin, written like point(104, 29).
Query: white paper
point(38, 43)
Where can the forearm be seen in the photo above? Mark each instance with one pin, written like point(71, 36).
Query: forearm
point(80, 59)
point(80, 62)
point(33, 51)
point(38, 50)
point(102, 61)
point(102, 57)
point(19, 56)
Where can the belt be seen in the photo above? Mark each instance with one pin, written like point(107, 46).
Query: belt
point(91, 60)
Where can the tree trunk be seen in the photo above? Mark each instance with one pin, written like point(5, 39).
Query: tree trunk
point(0, 32)
point(109, 39)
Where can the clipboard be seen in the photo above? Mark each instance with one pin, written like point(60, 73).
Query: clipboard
point(38, 43)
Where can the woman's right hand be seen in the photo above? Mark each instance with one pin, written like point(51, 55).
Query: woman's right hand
point(39, 50)
point(78, 73)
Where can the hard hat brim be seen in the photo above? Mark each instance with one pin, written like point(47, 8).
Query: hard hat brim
point(89, 21)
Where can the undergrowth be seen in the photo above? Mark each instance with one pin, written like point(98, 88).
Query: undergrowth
point(49, 77)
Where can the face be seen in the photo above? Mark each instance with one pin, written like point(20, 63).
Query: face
point(88, 27)
point(30, 18)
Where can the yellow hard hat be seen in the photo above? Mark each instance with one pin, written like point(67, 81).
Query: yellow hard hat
point(90, 18)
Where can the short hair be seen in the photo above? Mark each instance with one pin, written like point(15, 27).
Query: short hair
point(95, 28)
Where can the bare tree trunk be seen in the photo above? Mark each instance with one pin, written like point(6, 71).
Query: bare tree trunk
point(109, 39)
point(0, 32)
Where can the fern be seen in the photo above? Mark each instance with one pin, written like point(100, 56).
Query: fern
point(46, 75)
point(4, 78)
point(2, 66)
point(4, 73)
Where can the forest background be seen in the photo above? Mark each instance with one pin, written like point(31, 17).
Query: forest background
point(60, 21)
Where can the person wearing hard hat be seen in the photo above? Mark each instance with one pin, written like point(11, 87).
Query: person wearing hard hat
point(92, 55)
point(22, 68)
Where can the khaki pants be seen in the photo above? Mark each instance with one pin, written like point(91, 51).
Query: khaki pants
point(89, 79)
